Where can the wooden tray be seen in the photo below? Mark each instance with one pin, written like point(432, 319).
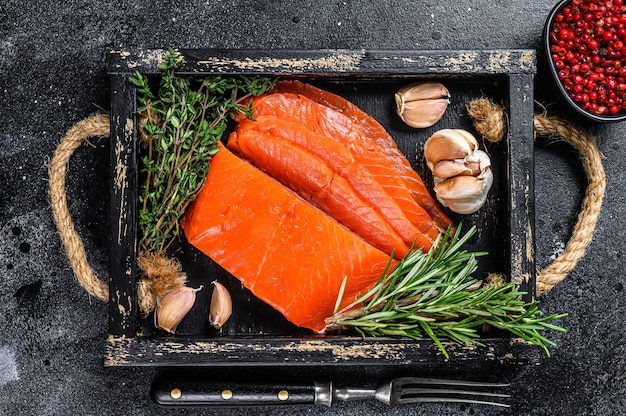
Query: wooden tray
point(256, 335)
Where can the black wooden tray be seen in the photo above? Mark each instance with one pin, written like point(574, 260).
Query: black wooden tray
point(256, 335)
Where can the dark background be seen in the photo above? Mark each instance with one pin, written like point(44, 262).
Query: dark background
point(52, 74)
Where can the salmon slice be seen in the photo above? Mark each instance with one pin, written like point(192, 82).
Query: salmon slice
point(377, 133)
point(284, 250)
point(340, 128)
point(315, 181)
point(342, 162)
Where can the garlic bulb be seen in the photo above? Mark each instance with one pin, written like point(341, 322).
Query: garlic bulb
point(173, 308)
point(421, 105)
point(461, 172)
point(221, 305)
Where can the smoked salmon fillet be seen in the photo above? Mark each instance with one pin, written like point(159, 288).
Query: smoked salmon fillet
point(315, 181)
point(343, 165)
point(284, 250)
point(342, 129)
point(377, 133)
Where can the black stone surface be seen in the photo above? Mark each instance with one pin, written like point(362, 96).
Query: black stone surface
point(52, 334)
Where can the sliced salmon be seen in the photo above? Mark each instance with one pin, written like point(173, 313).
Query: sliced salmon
point(284, 250)
point(377, 133)
point(315, 181)
point(339, 158)
point(342, 129)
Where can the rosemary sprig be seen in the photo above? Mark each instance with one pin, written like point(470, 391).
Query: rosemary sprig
point(181, 126)
point(434, 295)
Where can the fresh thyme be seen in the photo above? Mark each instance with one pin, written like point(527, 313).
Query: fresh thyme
point(181, 126)
point(433, 295)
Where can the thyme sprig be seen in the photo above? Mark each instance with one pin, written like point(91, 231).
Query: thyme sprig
point(433, 295)
point(181, 126)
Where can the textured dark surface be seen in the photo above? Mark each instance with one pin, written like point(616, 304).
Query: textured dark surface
point(52, 75)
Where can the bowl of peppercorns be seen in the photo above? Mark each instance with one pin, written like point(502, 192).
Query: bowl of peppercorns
point(585, 43)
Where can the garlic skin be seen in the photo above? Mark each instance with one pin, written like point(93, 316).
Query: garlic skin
point(462, 172)
point(221, 305)
point(173, 307)
point(421, 105)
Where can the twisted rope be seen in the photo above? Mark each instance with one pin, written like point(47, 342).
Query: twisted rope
point(489, 121)
point(95, 125)
point(591, 205)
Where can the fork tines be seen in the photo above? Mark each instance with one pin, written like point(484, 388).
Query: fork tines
point(423, 390)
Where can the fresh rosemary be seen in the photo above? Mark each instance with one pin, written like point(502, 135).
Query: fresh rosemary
point(434, 295)
point(181, 126)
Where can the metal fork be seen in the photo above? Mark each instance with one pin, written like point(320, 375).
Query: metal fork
point(405, 390)
point(197, 392)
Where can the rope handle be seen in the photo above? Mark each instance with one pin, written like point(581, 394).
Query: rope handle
point(489, 120)
point(585, 226)
point(95, 125)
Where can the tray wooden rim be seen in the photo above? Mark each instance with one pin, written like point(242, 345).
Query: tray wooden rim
point(303, 351)
point(126, 346)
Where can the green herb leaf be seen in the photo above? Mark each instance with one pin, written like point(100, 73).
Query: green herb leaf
point(434, 295)
point(181, 123)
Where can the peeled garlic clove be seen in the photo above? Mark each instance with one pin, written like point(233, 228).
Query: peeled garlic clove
point(465, 194)
point(221, 305)
point(173, 308)
point(449, 144)
point(421, 105)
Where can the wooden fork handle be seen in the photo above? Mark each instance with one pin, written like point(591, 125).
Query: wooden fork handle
point(218, 393)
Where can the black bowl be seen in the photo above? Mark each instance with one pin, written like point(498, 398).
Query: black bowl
point(571, 104)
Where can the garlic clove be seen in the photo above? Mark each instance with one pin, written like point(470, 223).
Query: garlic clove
point(173, 307)
point(449, 144)
point(221, 305)
point(423, 91)
point(423, 113)
point(460, 187)
point(465, 194)
point(469, 137)
point(448, 168)
point(421, 105)
point(472, 165)
point(481, 159)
